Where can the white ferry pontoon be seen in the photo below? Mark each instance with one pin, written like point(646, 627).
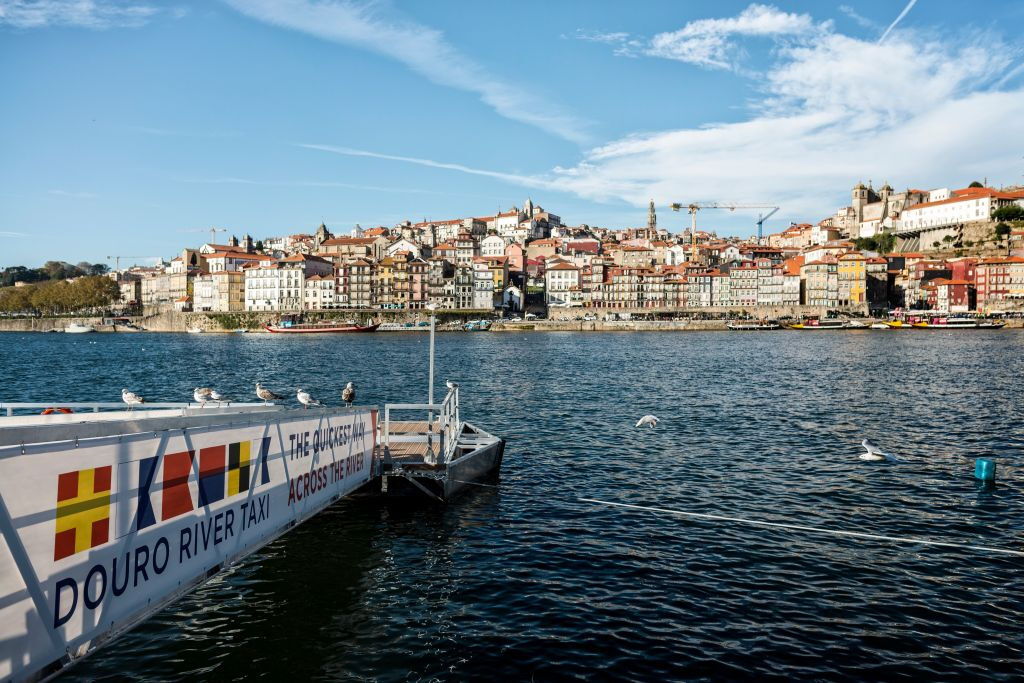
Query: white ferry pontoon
point(108, 515)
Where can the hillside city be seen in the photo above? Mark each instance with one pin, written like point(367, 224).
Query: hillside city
point(944, 250)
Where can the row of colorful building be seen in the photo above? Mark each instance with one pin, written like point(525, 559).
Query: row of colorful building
point(528, 254)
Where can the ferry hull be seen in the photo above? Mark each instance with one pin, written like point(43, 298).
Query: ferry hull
point(321, 330)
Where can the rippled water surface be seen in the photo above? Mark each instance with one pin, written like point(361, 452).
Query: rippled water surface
point(526, 581)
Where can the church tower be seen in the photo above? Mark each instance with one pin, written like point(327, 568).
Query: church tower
point(652, 219)
point(859, 200)
point(528, 208)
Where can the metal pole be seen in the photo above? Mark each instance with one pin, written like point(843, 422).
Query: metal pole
point(430, 389)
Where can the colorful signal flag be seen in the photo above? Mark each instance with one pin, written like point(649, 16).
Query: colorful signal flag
point(83, 511)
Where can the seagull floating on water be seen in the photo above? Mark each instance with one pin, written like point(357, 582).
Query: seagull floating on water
point(131, 398)
point(873, 452)
point(265, 394)
point(647, 420)
point(201, 395)
point(348, 394)
point(306, 400)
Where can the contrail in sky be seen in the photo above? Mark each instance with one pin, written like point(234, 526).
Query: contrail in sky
point(898, 19)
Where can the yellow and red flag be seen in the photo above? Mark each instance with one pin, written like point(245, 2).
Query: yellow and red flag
point(83, 511)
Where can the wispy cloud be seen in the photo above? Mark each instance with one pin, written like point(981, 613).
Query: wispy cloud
point(93, 14)
point(306, 183)
point(12, 233)
point(897, 20)
point(528, 181)
point(861, 20)
point(421, 48)
point(710, 43)
point(73, 195)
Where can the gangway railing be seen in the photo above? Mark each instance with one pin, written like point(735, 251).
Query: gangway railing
point(8, 408)
point(448, 424)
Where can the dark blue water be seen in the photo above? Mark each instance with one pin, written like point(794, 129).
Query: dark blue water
point(525, 581)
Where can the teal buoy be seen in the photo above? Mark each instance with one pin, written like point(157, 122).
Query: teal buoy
point(985, 469)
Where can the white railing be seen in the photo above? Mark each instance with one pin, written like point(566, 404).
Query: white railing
point(448, 426)
point(96, 406)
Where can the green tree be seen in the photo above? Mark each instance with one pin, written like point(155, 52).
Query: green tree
point(935, 244)
point(1002, 232)
point(886, 242)
point(947, 239)
point(1011, 212)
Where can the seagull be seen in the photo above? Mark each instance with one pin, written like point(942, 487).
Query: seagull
point(216, 396)
point(873, 452)
point(131, 398)
point(265, 394)
point(306, 400)
point(348, 394)
point(451, 385)
point(647, 420)
point(201, 395)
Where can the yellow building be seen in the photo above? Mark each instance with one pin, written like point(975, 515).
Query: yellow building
point(852, 272)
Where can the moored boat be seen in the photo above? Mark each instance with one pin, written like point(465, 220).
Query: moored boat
point(941, 323)
point(195, 330)
point(288, 327)
point(817, 324)
point(753, 326)
point(75, 328)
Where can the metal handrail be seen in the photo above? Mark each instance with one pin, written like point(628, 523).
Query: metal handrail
point(95, 406)
point(448, 432)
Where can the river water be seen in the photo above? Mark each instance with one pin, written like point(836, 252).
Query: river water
point(526, 581)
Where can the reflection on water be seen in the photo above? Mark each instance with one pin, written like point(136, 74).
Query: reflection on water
point(526, 581)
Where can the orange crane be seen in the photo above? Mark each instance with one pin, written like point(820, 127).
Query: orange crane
point(697, 206)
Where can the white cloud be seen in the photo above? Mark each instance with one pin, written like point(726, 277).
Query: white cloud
point(861, 20)
point(707, 42)
point(94, 14)
point(11, 233)
point(421, 48)
point(833, 111)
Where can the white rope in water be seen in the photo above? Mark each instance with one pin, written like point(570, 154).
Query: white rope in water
point(798, 527)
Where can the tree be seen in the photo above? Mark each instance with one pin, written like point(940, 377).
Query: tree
point(975, 184)
point(935, 244)
point(1011, 212)
point(1002, 232)
point(947, 239)
point(259, 245)
point(886, 242)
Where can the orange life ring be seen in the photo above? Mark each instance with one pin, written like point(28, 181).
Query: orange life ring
point(64, 411)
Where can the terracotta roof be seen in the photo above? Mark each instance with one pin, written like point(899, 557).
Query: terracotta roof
point(562, 266)
point(339, 241)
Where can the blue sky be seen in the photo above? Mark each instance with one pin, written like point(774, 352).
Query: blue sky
point(129, 126)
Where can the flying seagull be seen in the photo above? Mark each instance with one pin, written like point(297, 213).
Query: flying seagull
point(306, 400)
point(131, 398)
point(647, 420)
point(873, 452)
point(201, 395)
point(265, 394)
point(348, 394)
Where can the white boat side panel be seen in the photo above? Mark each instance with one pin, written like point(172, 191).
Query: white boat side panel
point(100, 536)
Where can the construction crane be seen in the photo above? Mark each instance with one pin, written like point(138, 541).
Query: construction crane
point(213, 234)
point(697, 206)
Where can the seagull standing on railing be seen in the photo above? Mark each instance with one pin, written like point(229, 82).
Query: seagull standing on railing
point(306, 400)
point(451, 385)
point(131, 398)
point(266, 395)
point(348, 394)
point(217, 396)
point(201, 395)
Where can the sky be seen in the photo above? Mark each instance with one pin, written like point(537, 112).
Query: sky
point(131, 127)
